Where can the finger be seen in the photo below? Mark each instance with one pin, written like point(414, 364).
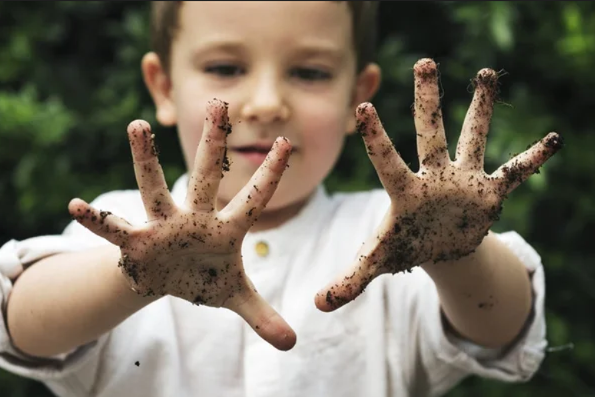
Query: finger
point(371, 262)
point(390, 167)
point(347, 287)
point(149, 175)
point(395, 248)
point(521, 167)
point(431, 138)
point(248, 204)
point(471, 147)
point(103, 223)
point(263, 319)
point(211, 159)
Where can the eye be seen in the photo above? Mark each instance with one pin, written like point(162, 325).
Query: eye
point(225, 70)
point(310, 74)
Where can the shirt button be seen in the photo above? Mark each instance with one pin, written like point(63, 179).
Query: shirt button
point(262, 249)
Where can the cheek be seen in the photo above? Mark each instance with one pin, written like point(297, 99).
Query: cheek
point(190, 127)
point(324, 131)
point(191, 115)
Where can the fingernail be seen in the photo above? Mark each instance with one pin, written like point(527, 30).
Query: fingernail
point(426, 69)
point(554, 141)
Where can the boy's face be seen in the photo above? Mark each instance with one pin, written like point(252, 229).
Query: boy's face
point(285, 68)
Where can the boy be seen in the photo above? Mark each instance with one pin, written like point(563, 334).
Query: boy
point(110, 307)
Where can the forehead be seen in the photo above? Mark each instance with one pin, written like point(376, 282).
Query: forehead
point(267, 22)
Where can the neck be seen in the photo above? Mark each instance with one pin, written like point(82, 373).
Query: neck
point(270, 219)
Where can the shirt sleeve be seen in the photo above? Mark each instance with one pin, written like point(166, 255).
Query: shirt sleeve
point(448, 359)
point(15, 256)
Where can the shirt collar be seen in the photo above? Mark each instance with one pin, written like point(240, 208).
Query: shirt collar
point(284, 238)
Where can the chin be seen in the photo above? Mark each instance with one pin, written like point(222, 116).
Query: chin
point(287, 199)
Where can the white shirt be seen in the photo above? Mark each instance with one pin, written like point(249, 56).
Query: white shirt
point(388, 342)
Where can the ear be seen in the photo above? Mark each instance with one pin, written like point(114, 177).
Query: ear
point(366, 86)
point(159, 85)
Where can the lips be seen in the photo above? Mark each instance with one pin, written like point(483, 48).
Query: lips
point(256, 148)
point(261, 148)
point(254, 153)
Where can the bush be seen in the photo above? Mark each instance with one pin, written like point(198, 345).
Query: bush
point(70, 83)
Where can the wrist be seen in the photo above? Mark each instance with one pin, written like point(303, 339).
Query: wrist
point(128, 297)
point(451, 269)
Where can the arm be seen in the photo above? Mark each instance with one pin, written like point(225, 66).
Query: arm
point(485, 296)
point(50, 313)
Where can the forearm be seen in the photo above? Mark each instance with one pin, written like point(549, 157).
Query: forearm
point(486, 296)
point(68, 300)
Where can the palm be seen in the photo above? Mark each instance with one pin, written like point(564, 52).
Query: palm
point(186, 261)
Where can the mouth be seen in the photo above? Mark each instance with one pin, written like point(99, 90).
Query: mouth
point(261, 149)
point(256, 153)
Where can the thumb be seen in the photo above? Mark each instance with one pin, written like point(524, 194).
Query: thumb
point(263, 319)
point(346, 287)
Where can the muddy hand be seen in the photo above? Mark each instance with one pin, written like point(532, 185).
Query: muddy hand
point(193, 251)
point(443, 211)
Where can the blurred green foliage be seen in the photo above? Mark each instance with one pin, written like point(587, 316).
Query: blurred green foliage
point(70, 83)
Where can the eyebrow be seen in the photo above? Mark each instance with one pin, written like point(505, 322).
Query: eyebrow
point(324, 51)
point(236, 47)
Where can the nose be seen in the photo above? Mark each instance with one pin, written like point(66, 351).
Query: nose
point(265, 102)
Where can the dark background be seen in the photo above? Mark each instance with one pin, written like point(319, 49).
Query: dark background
point(70, 83)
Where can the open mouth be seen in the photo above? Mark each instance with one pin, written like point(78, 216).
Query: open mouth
point(260, 149)
point(255, 154)
point(253, 149)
